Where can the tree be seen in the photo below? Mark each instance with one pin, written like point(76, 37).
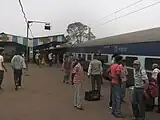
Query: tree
point(78, 32)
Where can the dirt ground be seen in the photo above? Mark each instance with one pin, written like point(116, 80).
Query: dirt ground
point(45, 97)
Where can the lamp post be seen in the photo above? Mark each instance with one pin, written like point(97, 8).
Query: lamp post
point(27, 41)
point(47, 27)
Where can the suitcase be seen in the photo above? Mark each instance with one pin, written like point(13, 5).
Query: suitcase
point(92, 95)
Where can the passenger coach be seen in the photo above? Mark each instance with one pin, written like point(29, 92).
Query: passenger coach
point(142, 45)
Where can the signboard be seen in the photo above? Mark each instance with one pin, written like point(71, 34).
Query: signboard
point(31, 53)
point(30, 43)
point(44, 40)
point(20, 40)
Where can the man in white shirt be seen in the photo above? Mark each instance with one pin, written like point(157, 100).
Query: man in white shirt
point(95, 71)
point(18, 63)
point(2, 68)
point(50, 58)
point(155, 71)
point(37, 58)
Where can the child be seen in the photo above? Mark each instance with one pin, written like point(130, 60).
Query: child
point(78, 81)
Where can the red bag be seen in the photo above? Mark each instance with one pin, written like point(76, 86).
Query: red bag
point(152, 88)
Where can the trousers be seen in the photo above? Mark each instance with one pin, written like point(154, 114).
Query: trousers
point(17, 77)
point(116, 99)
point(77, 94)
point(138, 103)
point(96, 80)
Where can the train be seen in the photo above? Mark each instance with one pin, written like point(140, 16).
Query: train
point(140, 45)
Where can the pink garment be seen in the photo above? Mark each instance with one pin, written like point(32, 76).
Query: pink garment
point(79, 73)
point(115, 72)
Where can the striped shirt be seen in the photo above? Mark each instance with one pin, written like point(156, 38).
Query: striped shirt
point(140, 78)
point(79, 73)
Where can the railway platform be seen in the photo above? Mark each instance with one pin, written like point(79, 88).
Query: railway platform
point(45, 97)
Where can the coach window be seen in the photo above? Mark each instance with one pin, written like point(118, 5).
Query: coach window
point(84, 56)
point(130, 60)
point(89, 57)
point(150, 61)
point(105, 58)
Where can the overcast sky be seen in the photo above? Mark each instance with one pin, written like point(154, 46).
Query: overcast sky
point(60, 13)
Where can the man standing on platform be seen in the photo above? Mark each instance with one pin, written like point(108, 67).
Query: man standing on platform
point(37, 58)
point(138, 98)
point(50, 58)
point(95, 71)
point(115, 72)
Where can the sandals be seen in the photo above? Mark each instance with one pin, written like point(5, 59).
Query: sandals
point(79, 108)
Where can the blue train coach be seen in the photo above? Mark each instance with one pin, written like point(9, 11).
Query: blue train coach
point(142, 45)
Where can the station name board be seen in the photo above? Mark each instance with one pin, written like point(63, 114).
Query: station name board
point(45, 39)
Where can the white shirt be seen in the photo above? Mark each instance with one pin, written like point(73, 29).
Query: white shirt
point(18, 62)
point(37, 56)
point(1, 61)
point(50, 56)
point(95, 67)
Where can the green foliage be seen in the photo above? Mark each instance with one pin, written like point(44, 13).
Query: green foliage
point(78, 32)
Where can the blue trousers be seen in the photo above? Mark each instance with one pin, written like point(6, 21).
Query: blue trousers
point(138, 103)
point(116, 99)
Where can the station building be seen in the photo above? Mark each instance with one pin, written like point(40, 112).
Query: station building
point(13, 43)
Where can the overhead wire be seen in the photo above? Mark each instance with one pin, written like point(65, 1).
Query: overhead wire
point(121, 9)
point(31, 33)
point(116, 18)
point(24, 14)
point(25, 17)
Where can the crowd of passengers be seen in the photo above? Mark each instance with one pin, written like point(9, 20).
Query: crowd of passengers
point(48, 59)
point(145, 88)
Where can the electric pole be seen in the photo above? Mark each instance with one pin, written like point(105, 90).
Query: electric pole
point(27, 52)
